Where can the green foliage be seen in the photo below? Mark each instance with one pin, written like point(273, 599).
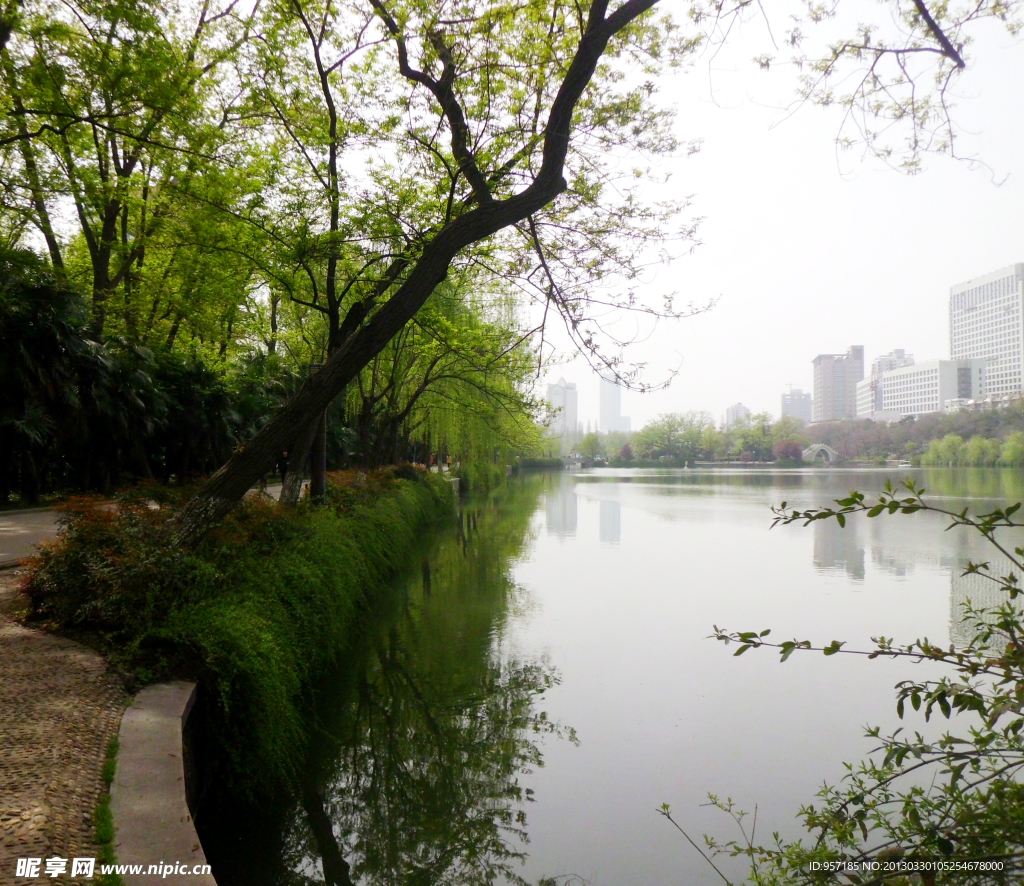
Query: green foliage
point(939, 810)
point(255, 614)
point(930, 437)
point(590, 446)
point(674, 437)
point(104, 819)
point(540, 464)
point(1013, 449)
point(77, 414)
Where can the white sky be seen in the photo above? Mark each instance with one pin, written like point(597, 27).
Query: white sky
point(810, 251)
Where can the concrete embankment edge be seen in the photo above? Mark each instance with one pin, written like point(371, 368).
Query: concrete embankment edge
point(152, 820)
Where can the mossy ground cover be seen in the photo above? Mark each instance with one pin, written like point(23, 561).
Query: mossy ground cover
point(256, 614)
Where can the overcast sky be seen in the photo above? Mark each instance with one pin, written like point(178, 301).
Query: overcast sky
point(809, 251)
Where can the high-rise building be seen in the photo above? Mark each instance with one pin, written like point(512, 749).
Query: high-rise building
point(835, 384)
point(797, 404)
point(986, 321)
point(612, 418)
point(736, 416)
point(869, 391)
point(563, 396)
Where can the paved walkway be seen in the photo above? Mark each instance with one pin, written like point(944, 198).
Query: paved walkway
point(59, 708)
point(21, 531)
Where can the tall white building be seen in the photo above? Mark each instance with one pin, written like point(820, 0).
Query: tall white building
point(563, 396)
point(986, 321)
point(611, 417)
point(736, 416)
point(798, 404)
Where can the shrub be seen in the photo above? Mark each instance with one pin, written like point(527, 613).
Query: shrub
point(256, 614)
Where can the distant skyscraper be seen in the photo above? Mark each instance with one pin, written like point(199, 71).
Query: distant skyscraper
point(736, 416)
point(986, 320)
point(612, 418)
point(835, 384)
point(565, 426)
point(797, 404)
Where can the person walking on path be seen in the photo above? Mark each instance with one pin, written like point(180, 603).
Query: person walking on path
point(282, 465)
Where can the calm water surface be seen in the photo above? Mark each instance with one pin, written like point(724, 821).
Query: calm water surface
point(543, 681)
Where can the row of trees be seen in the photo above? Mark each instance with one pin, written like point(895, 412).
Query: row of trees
point(990, 438)
point(76, 413)
point(912, 438)
point(953, 450)
point(677, 438)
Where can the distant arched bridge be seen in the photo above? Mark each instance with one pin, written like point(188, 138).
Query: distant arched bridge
point(812, 452)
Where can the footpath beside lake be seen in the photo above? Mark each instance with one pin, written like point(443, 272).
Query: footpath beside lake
point(60, 706)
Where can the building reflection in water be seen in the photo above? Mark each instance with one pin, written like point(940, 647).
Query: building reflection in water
point(611, 521)
point(560, 508)
point(897, 549)
point(981, 592)
point(837, 547)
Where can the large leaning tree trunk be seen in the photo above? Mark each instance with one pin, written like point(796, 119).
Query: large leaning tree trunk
point(228, 485)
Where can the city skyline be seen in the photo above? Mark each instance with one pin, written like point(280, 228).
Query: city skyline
point(984, 357)
point(808, 248)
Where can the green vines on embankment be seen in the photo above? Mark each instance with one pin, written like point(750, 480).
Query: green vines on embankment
point(257, 614)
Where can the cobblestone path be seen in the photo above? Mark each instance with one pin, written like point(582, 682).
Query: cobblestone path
point(59, 708)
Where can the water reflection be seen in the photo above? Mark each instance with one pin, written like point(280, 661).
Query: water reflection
point(422, 739)
point(426, 743)
point(610, 522)
point(837, 547)
point(560, 507)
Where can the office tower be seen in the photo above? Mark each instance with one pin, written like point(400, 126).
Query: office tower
point(985, 322)
point(611, 417)
point(563, 396)
point(835, 384)
point(797, 404)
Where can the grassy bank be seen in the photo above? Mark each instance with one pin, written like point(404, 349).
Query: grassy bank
point(256, 614)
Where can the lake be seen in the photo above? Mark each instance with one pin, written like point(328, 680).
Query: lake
point(541, 680)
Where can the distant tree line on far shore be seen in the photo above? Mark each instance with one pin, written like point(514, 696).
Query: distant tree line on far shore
point(977, 439)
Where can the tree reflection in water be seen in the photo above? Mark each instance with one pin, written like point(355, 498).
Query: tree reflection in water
point(416, 778)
